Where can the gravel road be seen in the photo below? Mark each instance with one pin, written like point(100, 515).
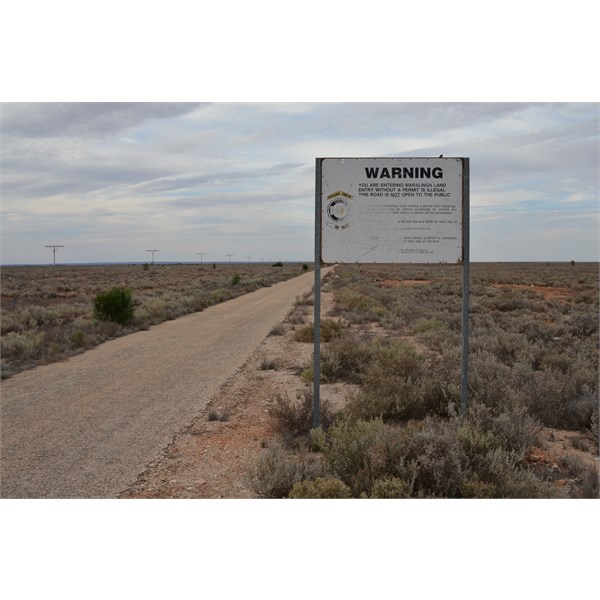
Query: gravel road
point(86, 427)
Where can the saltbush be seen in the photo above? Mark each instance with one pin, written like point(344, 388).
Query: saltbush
point(391, 487)
point(360, 453)
point(277, 471)
point(345, 359)
point(25, 345)
point(294, 417)
point(322, 487)
point(330, 329)
point(398, 384)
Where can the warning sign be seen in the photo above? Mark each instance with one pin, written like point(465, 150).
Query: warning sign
point(391, 210)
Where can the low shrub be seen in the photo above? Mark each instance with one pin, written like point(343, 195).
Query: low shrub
point(278, 330)
point(322, 487)
point(345, 359)
point(385, 395)
point(78, 339)
point(24, 345)
point(115, 305)
point(277, 470)
point(438, 462)
point(397, 385)
point(153, 311)
point(362, 452)
point(423, 325)
point(473, 487)
point(214, 415)
point(294, 418)
point(330, 329)
point(579, 412)
point(305, 300)
point(391, 487)
point(272, 364)
point(358, 306)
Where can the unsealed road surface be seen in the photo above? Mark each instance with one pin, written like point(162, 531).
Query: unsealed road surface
point(86, 427)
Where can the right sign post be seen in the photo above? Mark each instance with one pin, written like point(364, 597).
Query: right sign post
point(392, 210)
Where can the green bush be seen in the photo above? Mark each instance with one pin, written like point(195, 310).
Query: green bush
point(115, 305)
point(322, 487)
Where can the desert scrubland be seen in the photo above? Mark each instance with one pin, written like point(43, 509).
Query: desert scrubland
point(391, 424)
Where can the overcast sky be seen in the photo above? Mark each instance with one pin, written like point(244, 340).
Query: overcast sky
point(110, 181)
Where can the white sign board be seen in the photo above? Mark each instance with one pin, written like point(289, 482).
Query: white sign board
point(391, 210)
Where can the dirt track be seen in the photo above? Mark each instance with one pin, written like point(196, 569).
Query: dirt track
point(85, 428)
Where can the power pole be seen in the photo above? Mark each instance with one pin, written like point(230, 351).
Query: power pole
point(201, 255)
point(230, 255)
point(153, 251)
point(54, 253)
point(248, 257)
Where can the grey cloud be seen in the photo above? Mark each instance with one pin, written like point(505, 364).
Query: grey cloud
point(66, 119)
point(369, 119)
point(173, 183)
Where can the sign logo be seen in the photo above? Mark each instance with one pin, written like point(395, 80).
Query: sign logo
point(338, 209)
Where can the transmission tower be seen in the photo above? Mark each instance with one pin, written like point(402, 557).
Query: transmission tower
point(230, 255)
point(54, 253)
point(153, 251)
point(201, 255)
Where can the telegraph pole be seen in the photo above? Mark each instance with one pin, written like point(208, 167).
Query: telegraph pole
point(54, 253)
point(201, 255)
point(153, 251)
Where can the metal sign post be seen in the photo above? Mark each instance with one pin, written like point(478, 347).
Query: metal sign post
point(391, 210)
point(464, 367)
point(317, 304)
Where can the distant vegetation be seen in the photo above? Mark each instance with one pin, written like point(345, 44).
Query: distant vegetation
point(49, 313)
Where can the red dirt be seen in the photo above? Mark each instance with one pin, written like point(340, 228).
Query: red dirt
point(547, 291)
point(403, 282)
